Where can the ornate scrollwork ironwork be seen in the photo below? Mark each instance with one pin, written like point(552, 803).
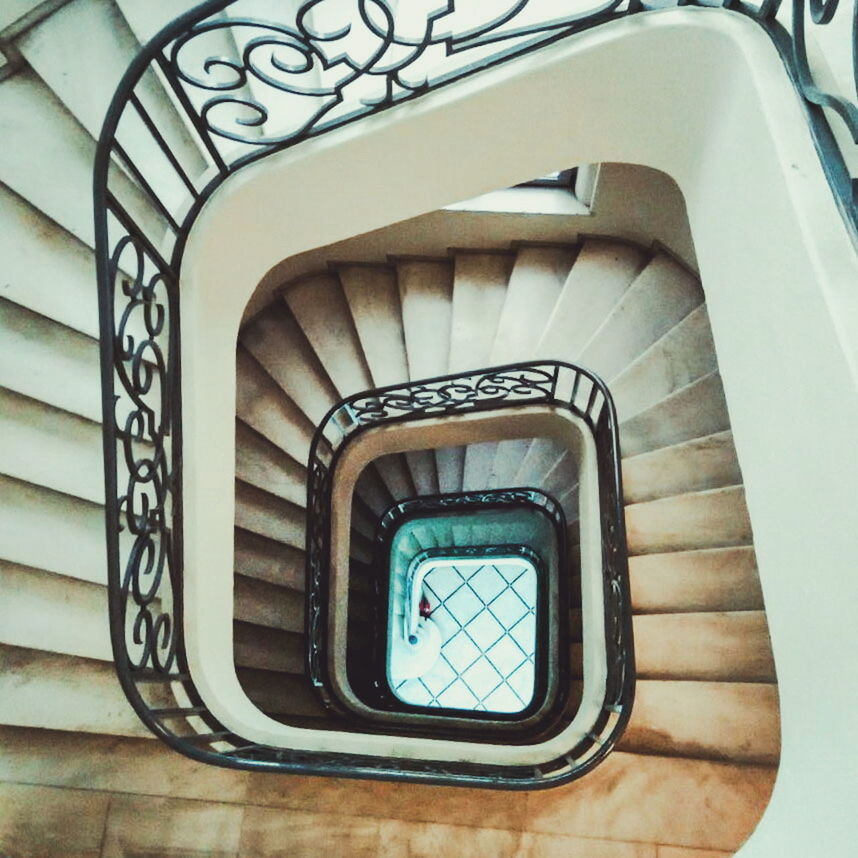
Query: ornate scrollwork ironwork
point(247, 88)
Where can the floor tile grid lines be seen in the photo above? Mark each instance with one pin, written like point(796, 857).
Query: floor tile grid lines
point(483, 650)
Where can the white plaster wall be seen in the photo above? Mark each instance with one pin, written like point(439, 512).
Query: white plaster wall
point(702, 96)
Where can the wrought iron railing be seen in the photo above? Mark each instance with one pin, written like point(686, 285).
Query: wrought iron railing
point(547, 554)
point(241, 89)
point(562, 386)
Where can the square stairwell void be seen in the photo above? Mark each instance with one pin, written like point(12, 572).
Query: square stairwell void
point(485, 610)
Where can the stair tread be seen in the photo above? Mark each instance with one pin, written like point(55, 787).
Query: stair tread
point(264, 465)
point(694, 411)
point(268, 560)
point(714, 518)
point(280, 347)
point(425, 291)
point(731, 721)
point(662, 295)
point(262, 603)
point(49, 447)
point(535, 284)
point(479, 291)
point(268, 649)
point(696, 465)
point(683, 355)
point(709, 579)
point(604, 269)
point(373, 298)
point(38, 254)
point(63, 692)
point(269, 516)
point(320, 308)
point(728, 646)
point(48, 362)
point(76, 528)
point(42, 610)
point(262, 405)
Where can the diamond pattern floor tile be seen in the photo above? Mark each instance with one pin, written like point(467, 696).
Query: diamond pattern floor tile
point(486, 614)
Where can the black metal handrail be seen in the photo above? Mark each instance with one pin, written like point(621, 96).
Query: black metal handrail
point(561, 386)
point(372, 654)
point(243, 89)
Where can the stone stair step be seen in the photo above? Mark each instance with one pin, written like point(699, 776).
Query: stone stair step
point(268, 560)
point(694, 411)
point(730, 646)
point(715, 518)
point(704, 580)
point(604, 269)
point(38, 254)
point(76, 528)
point(269, 516)
point(63, 692)
point(49, 447)
point(264, 604)
point(44, 611)
point(262, 464)
point(696, 465)
point(277, 342)
point(49, 362)
point(479, 292)
point(268, 649)
point(319, 306)
point(663, 294)
point(730, 721)
point(684, 354)
point(262, 405)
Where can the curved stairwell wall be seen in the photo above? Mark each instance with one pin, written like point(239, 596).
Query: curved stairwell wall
point(78, 776)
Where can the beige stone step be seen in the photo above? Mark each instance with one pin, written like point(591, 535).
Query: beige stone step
point(662, 295)
point(46, 361)
point(653, 799)
point(280, 693)
point(394, 472)
point(264, 604)
point(373, 298)
point(372, 491)
point(262, 405)
point(695, 465)
point(269, 516)
point(268, 560)
point(54, 170)
point(604, 269)
point(684, 354)
point(38, 254)
point(46, 446)
point(62, 692)
point(372, 294)
point(709, 519)
point(86, 81)
point(320, 308)
point(730, 721)
point(268, 649)
point(710, 579)
point(479, 291)
point(426, 299)
point(277, 342)
point(48, 530)
point(262, 464)
point(44, 611)
point(729, 646)
point(535, 283)
point(694, 411)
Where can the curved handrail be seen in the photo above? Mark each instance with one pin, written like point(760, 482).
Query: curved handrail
point(151, 181)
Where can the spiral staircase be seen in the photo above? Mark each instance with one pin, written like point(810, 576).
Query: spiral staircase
point(79, 774)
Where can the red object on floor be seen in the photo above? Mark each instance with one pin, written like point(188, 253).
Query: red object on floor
point(425, 607)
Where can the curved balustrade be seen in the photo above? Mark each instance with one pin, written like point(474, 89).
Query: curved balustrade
point(246, 88)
